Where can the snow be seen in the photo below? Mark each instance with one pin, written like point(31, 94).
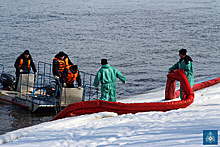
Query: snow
point(182, 127)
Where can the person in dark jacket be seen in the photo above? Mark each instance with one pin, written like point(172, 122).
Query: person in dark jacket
point(69, 75)
point(23, 64)
point(60, 62)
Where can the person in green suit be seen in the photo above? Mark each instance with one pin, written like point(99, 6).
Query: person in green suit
point(107, 75)
point(184, 63)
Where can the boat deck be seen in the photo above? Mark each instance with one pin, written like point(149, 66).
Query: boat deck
point(25, 100)
point(25, 96)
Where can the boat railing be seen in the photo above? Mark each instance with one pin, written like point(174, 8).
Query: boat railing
point(29, 87)
point(42, 89)
point(91, 94)
point(45, 71)
point(45, 89)
point(89, 91)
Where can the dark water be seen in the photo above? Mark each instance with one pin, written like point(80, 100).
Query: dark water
point(141, 38)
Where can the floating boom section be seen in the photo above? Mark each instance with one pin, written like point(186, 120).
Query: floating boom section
point(89, 107)
point(170, 86)
point(178, 75)
point(206, 84)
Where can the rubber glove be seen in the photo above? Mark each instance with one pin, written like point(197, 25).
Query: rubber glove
point(56, 78)
point(64, 84)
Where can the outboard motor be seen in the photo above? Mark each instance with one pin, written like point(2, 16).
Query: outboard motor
point(8, 81)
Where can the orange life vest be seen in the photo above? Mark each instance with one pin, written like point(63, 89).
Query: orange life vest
point(71, 77)
point(22, 61)
point(62, 64)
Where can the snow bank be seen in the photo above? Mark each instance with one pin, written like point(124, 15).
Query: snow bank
point(11, 136)
point(76, 121)
point(182, 127)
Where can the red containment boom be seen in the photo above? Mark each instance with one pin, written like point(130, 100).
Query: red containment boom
point(95, 106)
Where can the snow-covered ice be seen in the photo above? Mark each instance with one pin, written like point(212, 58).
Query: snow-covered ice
point(182, 127)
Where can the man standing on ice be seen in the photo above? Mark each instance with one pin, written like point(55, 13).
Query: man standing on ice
point(107, 75)
point(184, 63)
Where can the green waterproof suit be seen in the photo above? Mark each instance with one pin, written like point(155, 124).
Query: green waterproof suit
point(187, 66)
point(107, 76)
